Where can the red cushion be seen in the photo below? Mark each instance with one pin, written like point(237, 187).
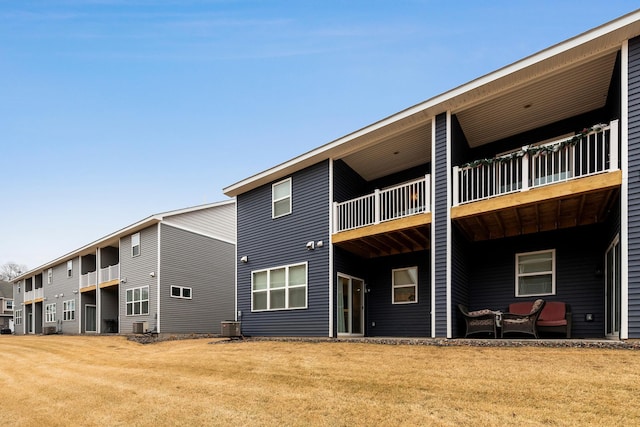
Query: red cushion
point(520, 307)
point(553, 310)
point(562, 322)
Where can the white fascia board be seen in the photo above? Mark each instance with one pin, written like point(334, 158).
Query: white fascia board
point(450, 100)
point(196, 208)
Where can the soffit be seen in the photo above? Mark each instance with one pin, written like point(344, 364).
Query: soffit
point(577, 90)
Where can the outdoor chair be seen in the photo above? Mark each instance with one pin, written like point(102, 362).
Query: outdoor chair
point(523, 323)
point(480, 321)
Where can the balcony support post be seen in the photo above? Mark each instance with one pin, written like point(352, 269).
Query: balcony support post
point(376, 198)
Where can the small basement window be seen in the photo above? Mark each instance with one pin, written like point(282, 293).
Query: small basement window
point(181, 292)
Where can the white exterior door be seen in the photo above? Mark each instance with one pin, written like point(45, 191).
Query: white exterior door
point(350, 305)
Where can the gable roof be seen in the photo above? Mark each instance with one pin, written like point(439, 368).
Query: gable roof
point(543, 73)
point(115, 236)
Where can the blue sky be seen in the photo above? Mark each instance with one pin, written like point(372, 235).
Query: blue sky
point(113, 110)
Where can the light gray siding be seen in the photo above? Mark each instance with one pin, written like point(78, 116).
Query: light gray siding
point(269, 243)
point(136, 272)
point(634, 188)
point(18, 300)
point(60, 290)
point(217, 221)
point(205, 265)
point(440, 224)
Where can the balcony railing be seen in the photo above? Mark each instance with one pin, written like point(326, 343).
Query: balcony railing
point(89, 279)
point(589, 153)
point(400, 201)
point(34, 294)
point(109, 273)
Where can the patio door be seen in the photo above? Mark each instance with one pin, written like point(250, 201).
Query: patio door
point(612, 269)
point(90, 318)
point(350, 305)
point(30, 322)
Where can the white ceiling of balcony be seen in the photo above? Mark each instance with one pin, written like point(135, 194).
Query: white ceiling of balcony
point(581, 89)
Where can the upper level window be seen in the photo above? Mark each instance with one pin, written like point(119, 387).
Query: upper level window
point(9, 304)
point(135, 244)
point(281, 198)
point(70, 268)
point(536, 273)
point(49, 276)
point(405, 285)
point(279, 288)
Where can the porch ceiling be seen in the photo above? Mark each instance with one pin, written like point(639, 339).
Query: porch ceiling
point(406, 235)
point(543, 209)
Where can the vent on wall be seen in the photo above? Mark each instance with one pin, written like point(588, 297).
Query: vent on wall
point(140, 327)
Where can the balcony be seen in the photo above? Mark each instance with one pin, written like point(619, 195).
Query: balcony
point(386, 222)
point(109, 276)
point(35, 295)
point(89, 279)
point(559, 184)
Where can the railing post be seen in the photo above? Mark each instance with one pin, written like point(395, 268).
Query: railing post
point(335, 217)
point(376, 198)
point(427, 193)
point(613, 145)
point(525, 169)
point(456, 186)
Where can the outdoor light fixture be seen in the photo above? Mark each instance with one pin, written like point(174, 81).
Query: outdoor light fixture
point(311, 245)
point(245, 259)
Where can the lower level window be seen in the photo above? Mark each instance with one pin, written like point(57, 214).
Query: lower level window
point(405, 285)
point(181, 292)
point(18, 317)
point(69, 310)
point(138, 301)
point(50, 312)
point(535, 273)
point(280, 288)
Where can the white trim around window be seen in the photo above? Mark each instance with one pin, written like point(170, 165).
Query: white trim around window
point(137, 301)
point(279, 288)
point(69, 310)
point(18, 316)
point(181, 292)
point(8, 304)
point(135, 244)
point(70, 268)
point(49, 276)
point(281, 198)
point(536, 273)
point(50, 313)
point(404, 285)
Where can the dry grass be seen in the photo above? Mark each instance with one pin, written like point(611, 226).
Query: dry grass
point(65, 380)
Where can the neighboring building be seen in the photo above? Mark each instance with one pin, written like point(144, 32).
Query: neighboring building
point(521, 184)
point(6, 306)
point(169, 273)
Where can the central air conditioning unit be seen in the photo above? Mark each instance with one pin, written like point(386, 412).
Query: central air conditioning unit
point(140, 327)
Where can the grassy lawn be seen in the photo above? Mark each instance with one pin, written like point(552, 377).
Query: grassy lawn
point(78, 380)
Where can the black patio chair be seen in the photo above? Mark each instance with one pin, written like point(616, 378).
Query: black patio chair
point(480, 321)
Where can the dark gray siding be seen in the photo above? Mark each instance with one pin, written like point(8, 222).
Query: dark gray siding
point(579, 279)
point(634, 188)
point(135, 272)
point(269, 242)
point(439, 244)
point(459, 279)
point(207, 266)
point(347, 184)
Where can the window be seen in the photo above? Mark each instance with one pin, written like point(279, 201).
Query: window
point(135, 244)
point(70, 268)
point(180, 292)
point(69, 310)
point(18, 317)
point(279, 288)
point(49, 276)
point(50, 312)
point(535, 273)
point(9, 304)
point(281, 198)
point(138, 301)
point(405, 285)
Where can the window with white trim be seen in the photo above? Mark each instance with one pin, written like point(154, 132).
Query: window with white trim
point(138, 301)
point(49, 276)
point(180, 292)
point(69, 310)
point(404, 285)
point(536, 273)
point(281, 288)
point(135, 244)
point(281, 198)
point(9, 304)
point(70, 268)
point(18, 317)
point(50, 313)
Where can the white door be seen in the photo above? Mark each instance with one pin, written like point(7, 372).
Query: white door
point(90, 318)
point(612, 289)
point(350, 305)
